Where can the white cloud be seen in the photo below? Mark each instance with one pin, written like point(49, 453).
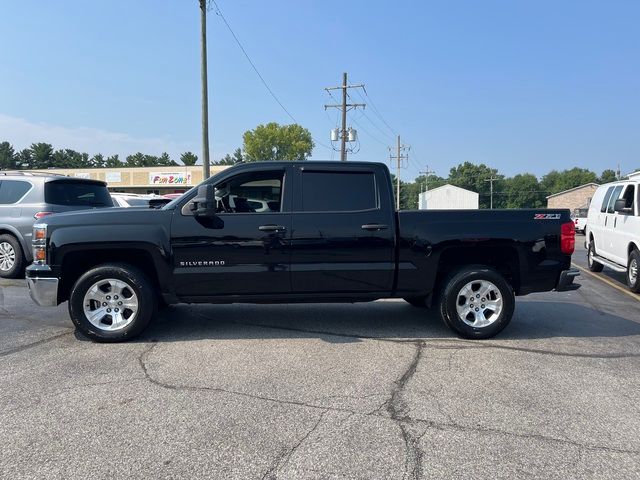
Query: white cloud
point(22, 133)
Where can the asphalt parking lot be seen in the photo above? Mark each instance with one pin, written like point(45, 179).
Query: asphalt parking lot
point(368, 391)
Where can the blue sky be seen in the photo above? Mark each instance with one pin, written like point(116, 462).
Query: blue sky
point(518, 85)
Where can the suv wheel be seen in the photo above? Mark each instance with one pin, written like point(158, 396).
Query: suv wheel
point(633, 277)
point(593, 265)
point(11, 258)
point(477, 302)
point(112, 303)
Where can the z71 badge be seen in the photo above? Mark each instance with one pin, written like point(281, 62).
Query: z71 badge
point(546, 216)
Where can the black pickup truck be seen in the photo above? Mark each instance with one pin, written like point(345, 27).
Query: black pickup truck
point(297, 232)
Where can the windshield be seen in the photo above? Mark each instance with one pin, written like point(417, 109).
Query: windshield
point(138, 202)
point(77, 194)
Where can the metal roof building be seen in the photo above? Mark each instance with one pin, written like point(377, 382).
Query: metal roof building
point(448, 197)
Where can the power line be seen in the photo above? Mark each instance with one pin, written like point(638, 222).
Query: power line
point(255, 69)
point(377, 112)
point(264, 82)
point(344, 107)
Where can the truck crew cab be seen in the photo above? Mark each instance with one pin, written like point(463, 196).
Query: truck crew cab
point(329, 233)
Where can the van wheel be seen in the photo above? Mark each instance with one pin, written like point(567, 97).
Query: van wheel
point(112, 303)
point(11, 257)
point(633, 279)
point(477, 302)
point(593, 265)
point(419, 302)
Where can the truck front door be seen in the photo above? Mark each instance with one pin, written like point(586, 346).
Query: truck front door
point(343, 234)
point(244, 249)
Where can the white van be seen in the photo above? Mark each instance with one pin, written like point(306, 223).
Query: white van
point(612, 236)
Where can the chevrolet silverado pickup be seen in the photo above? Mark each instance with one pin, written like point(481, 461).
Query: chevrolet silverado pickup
point(323, 232)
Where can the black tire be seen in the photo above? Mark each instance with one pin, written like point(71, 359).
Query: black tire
point(593, 265)
point(9, 243)
point(634, 263)
point(136, 283)
point(448, 302)
point(418, 302)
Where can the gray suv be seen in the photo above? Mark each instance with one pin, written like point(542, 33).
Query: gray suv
point(26, 197)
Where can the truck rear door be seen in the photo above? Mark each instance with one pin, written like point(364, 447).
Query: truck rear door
point(343, 234)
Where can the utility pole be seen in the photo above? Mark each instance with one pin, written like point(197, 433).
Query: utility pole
point(344, 107)
point(491, 180)
point(205, 96)
point(399, 157)
point(426, 174)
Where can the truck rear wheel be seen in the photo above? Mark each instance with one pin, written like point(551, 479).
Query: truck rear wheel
point(477, 302)
point(112, 303)
point(633, 271)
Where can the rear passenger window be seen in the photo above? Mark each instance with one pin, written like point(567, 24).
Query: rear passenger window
point(12, 191)
point(614, 196)
point(605, 202)
point(338, 191)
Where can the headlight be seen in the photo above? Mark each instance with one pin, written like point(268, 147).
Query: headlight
point(39, 241)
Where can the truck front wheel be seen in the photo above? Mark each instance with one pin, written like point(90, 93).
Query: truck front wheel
point(112, 303)
point(477, 302)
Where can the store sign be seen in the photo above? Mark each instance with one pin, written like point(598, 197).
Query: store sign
point(113, 177)
point(85, 175)
point(170, 179)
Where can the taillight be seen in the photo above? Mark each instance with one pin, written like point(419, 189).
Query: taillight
point(39, 215)
point(567, 238)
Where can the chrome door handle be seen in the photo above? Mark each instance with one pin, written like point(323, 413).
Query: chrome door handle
point(374, 226)
point(272, 228)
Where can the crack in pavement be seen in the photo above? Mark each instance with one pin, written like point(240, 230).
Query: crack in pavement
point(284, 457)
point(21, 348)
point(396, 410)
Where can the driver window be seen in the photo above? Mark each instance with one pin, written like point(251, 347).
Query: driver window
point(257, 192)
point(628, 196)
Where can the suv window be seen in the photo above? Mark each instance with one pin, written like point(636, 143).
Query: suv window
point(338, 191)
point(257, 192)
point(77, 193)
point(614, 196)
point(12, 191)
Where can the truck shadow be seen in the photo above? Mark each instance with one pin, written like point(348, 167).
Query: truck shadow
point(396, 321)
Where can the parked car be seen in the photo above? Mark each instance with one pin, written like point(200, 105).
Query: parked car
point(613, 229)
point(334, 236)
point(579, 217)
point(126, 200)
point(26, 197)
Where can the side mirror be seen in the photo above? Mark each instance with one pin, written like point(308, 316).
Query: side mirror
point(620, 205)
point(204, 203)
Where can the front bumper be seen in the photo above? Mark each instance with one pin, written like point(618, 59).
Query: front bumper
point(565, 282)
point(42, 288)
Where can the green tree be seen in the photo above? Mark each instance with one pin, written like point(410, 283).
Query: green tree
point(165, 160)
point(188, 158)
point(113, 162)
point(555, 181)
point(523, 191)
point(24, 159)
point(607, 176)
point(7, 156)
point(277, 142)
point(42, 155)
point(474, 177)
point(97, 161)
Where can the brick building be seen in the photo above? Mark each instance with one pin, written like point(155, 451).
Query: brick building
point(578, 197)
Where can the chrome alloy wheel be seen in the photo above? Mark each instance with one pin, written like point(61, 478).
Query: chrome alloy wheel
point(633, 271)
point(479, 303)
point(7, 256)
point(110, 304)
point(590, 256)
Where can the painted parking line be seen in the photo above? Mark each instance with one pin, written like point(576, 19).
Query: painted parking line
point(608, 282)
